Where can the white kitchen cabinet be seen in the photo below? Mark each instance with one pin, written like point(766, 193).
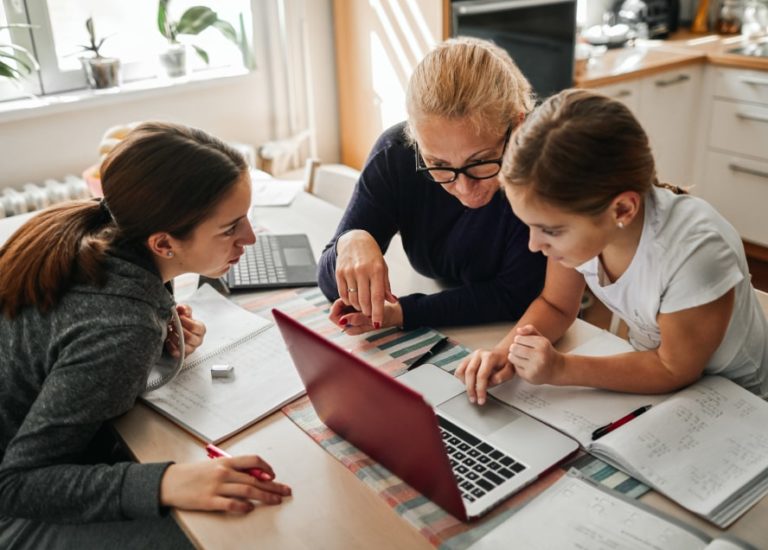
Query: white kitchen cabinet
point(669, 112)
point(740, 84)
point(734, 160)
point(739, 127)
point(627, 92)
point(667, 105)
point(738, 187)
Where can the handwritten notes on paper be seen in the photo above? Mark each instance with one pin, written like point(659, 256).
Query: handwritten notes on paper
point(574, 513)
point(264, 377)
point(701, 447)
point(577, 411)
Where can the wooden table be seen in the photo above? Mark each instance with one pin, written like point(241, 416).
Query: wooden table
point(330, 508)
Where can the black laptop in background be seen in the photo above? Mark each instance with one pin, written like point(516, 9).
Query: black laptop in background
point(273, 261)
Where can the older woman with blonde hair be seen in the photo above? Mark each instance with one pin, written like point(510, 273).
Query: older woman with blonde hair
point(434, 179)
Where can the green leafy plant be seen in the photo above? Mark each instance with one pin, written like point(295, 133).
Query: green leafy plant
point(94, 45)
point(192, 22)
point(16, 61)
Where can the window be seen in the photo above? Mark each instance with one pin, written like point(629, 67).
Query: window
point(131, 33)
point(20, 37)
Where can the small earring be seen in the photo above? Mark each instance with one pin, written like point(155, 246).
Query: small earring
point(620, 225)
point(170, 254)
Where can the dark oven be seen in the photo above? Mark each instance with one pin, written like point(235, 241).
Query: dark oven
point(539, 35)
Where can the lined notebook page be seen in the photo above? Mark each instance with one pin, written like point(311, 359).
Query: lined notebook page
point(264, 377)
point(574, 513)
point(574, 410)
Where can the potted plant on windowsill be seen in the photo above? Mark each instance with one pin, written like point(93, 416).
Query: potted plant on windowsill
point(192, 22)
point(100, 72)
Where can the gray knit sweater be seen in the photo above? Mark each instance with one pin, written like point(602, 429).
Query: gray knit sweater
point(62, 375)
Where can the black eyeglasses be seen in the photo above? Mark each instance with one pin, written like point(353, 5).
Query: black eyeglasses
point(480, 170)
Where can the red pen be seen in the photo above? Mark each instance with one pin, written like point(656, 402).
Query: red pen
point(600, 432)
point(214, 452)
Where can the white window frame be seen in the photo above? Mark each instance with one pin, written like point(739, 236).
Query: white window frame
point(53, 79)
point(50, 79)
point(15, 11)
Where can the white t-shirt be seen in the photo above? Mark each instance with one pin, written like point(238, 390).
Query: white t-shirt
point(688, 256)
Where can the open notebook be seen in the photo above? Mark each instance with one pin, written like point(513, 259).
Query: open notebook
point(705, 446)
point(578, 513)
point(263, 379)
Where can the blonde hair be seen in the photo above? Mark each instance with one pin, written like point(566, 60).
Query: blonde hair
point(578, 150)
point(468, 78)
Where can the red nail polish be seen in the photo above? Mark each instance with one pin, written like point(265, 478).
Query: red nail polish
point(343, 322)
point(376, 325)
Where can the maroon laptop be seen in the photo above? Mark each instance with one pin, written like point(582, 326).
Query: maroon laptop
point(382, 417)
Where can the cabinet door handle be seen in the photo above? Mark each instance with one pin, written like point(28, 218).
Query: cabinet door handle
point(748, 116)
point(672, 81)
point(754, 80)
point(746, 170)
point(622, 93)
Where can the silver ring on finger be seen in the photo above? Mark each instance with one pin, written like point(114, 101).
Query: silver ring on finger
point(351, 290)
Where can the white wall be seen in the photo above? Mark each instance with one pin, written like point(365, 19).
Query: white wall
point(51, 146)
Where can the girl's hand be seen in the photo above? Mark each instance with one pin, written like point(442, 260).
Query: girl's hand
point(355, 322)
point(482, 369)
point(534, 357)
point(194, 332)
point(362, 276)
point(220, 485)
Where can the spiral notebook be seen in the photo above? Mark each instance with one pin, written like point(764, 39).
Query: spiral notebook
point(263, 378)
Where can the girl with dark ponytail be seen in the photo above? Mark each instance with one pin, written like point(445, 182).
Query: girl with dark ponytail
point(580, 173)
point(84, 310)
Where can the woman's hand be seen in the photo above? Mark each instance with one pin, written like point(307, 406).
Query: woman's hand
point(362, 276)
point(355, 322)
point(482, 369)
point(220, 485)
point(194, 332)
point(534, 357)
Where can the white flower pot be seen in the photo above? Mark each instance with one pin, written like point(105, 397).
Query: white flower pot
point(174, 60)
point(102, 72)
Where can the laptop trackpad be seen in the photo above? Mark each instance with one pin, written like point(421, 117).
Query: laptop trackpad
point(297, 256)
point(433, 383)
point(484, 420)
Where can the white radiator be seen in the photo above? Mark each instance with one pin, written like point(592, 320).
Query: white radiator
point(33, 197)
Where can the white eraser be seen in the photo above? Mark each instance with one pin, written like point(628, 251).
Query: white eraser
point(222, 371)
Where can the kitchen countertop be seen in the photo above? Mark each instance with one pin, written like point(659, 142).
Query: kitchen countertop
point(654, 56)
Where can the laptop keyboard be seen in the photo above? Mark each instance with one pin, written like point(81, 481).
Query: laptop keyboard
point(478, 466)
point(261, 263)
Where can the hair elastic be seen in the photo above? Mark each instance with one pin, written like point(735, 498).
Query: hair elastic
point(105, 211)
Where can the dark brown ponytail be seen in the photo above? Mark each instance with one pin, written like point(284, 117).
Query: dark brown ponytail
point(674, 188)
point(160, 178)
point(49, 252)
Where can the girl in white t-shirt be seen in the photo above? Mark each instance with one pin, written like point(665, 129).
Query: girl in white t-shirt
point(580, 173)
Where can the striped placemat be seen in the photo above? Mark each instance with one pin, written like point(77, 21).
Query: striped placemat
point(392, 350)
